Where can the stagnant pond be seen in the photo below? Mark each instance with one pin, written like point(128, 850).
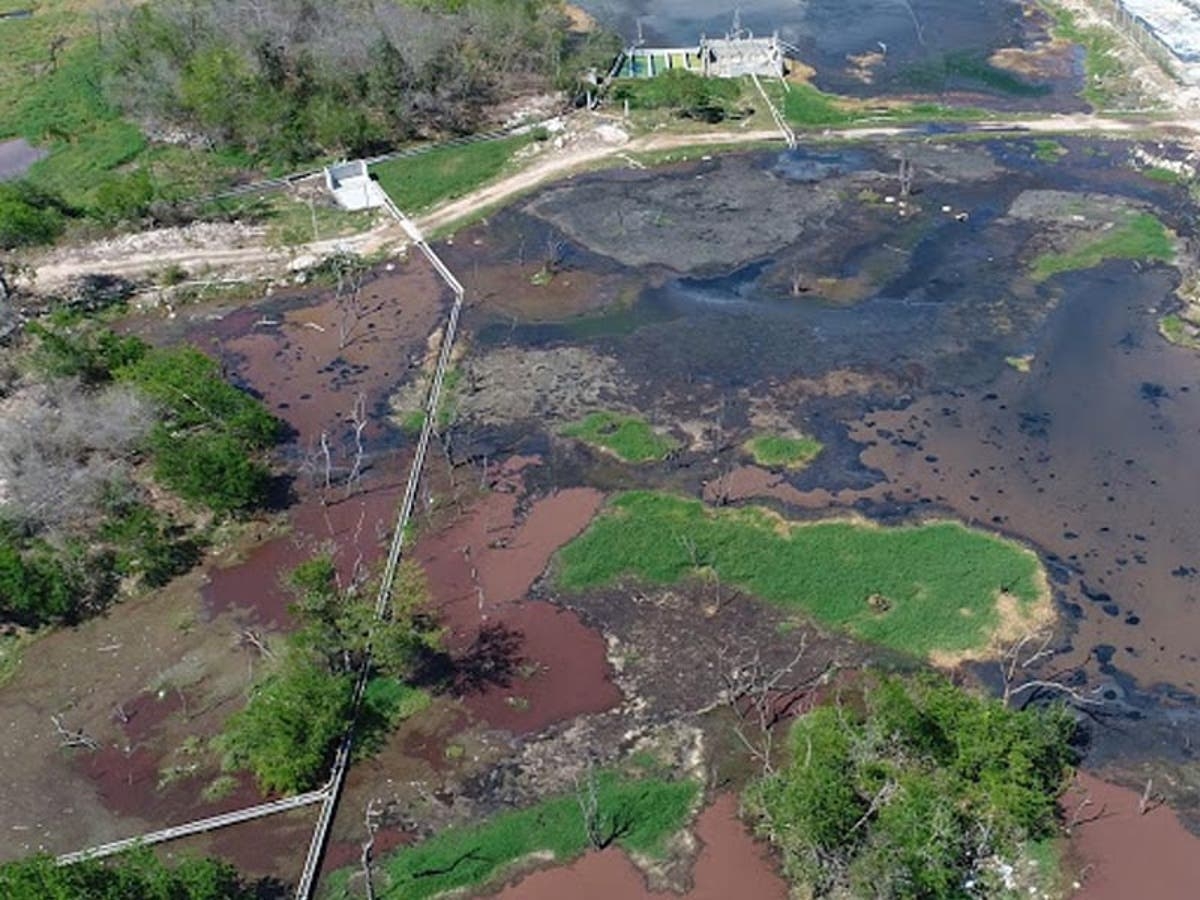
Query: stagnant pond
point(864, 47)
point(910, 335)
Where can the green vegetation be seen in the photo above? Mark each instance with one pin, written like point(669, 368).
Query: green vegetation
point(909, 789)
point(1140, 236)
point(12, 647)
point(639, 815)
point(1164, 175)
point(417, 182)
point(809, 107)
point(1048, 151)
point(1106, 83)
point(28, 216)
point(692, 96)
point(79, 516)
point(626, 437)
point(927, 589)
point(1181, 330)
point(288, 732)
point(964, 69)
point(137, 875)
point(779, 451)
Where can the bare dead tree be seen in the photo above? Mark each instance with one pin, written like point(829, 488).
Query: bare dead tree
point(799, 281)
point(251, 638)
point(1149, 801)
point(68, 738)
point(761, 695)
point(1021, 656)
point(351, 271)
point(371, 823)
point(119, 713)
point(358, 418)
point(328, 459)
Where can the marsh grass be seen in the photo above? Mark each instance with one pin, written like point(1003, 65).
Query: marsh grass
point(1141, 236)
point(626, 437)
point(418, 182)
point(639, 815)
point(921, 589)
point(778, 451)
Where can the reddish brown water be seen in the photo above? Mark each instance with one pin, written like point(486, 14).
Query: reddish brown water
point(534, 664)
point(1119, 853)
point(730, 864)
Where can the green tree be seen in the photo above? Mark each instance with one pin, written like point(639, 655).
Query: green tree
point(288, 732)
point(904, 791)
point(28, 216)
point(214, 469)
point(137, 875)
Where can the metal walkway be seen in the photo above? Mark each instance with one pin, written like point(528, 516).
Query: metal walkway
point(199, 826)
point(780, 121)
point(337, 779)
point(330, 794)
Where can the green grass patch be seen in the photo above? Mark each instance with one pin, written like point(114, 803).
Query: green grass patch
point(292, 222)
point(776, 451)
point(626, 437)
point(806, 106)
point(920, 589)
point(969, 69)
point(1048, 151)
point(1162, 175)
point(418, 182)
point(638, 815)
point(1141, 236)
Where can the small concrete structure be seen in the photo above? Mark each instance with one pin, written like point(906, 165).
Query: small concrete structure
point(732, 56)
point(351, 185)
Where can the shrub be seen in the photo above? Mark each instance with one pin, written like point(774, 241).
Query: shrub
point(912, 789)
point(288, 732)
point(28, 216)
point(212, 468)
point(137, 875)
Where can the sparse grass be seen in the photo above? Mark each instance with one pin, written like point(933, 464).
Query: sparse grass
point(778, 451)
point(626, 437)
point(1141, 236)
point(12, 646)
point(294, 222)
point(640, 814)
point(939, 582)
point(1048, 151)
point(418, 182)
point(1022, 363)
point(219, 788)
point(1106, 82)
point(1175, 328)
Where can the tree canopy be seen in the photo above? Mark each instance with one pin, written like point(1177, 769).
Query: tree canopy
point(912, 789)
point(138, 875)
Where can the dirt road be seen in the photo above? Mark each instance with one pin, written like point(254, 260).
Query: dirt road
point(248, 254)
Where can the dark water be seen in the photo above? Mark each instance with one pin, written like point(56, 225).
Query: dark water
point(825, 32)
point(1089, 456)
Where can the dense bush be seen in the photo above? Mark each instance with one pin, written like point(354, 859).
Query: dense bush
point(137, 875)
point(913, 788)
point(289, 730)
point(35, 587)
point(290, 79)
point(28, 216)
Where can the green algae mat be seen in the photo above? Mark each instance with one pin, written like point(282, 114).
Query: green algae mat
point(939, 589)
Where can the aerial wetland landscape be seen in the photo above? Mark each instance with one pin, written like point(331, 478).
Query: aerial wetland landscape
point(756, 487)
